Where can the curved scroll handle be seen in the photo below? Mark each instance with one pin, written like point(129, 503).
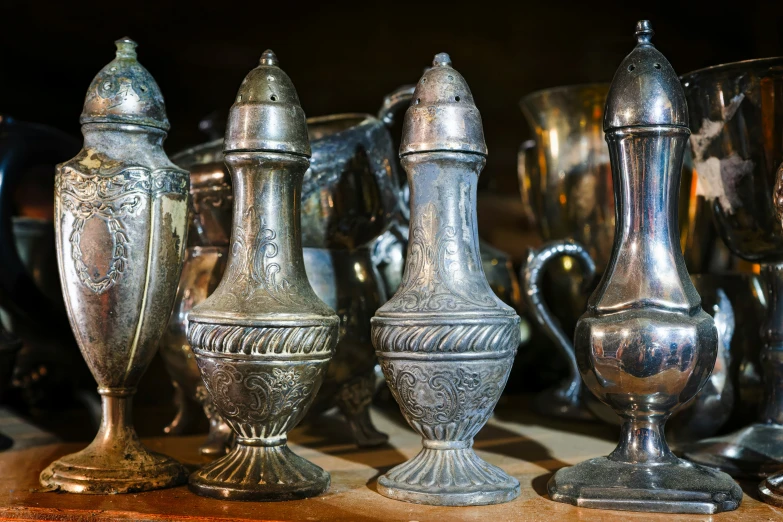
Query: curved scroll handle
point(21, 146)
point(532, 276)
point(721, 400)
point(394, 102)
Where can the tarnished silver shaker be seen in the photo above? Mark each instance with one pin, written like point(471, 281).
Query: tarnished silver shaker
point(263, 339)
point(445, 341)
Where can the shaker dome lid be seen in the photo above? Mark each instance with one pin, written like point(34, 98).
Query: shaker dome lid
point(645, 89)
point(266, 115)
point(442, 115)
point(125, 92)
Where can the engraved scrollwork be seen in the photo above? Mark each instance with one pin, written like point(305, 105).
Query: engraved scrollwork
point(262, 270)
point(444, 395)
point(255, 269)
point(110, 191)
point(257, 394)
point(84, 213)
point(236, 277)
point(432, 281)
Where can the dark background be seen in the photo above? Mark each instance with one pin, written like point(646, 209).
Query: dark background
point(344, 57)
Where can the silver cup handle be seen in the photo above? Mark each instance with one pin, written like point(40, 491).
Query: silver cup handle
point(532, 275)
point(394, 102)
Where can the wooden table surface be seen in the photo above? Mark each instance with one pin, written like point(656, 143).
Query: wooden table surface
point(526, 446)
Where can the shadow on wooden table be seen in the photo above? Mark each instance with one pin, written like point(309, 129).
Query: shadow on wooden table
point(519, 409)
point(333, 436)
point(495, 439)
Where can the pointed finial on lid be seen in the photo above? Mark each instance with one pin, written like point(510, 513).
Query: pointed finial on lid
point(644, 32)
point(441, 59)
point(442, 115)
point(645, 90)
point(126, 48)
point(267, 115)
point(269, 58)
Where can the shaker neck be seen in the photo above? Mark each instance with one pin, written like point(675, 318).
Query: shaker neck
point(123, 139)
point(265, 278)
point(267, 192)
point(445, 182)
point(443, 273)
point(647, 268)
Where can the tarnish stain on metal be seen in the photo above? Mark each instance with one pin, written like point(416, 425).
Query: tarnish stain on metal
point(90, 161)
point(177, 210)
point(709, 182)
point(701, 141)
point(714, 174)
point(731, 108)
point(127, 96)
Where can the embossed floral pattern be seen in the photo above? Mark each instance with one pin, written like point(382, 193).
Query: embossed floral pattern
point(444, 395)
point(254, 393)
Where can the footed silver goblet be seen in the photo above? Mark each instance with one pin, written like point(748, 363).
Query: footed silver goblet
point(737, 144)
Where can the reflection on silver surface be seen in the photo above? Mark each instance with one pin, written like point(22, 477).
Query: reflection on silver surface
point(566, 186)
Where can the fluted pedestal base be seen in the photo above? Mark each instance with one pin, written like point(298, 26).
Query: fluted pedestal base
point(666, 487)
point(130, 470)
point(753, 452)
point(260, 473)
point(448, 477)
